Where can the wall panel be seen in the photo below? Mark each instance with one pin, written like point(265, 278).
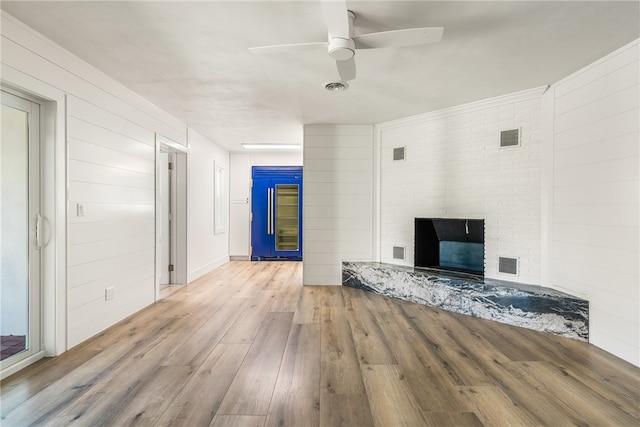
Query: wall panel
point(206, 249)
point(33, 54)
point(596, 194)
point(338, 200)
point(109, 171)
point(109, 168)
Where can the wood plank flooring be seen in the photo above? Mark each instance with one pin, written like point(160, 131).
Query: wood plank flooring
point(247, 345)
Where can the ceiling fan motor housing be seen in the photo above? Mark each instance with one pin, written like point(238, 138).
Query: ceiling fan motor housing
point(341, 49)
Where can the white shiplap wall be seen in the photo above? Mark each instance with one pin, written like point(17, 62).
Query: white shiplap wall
point(338, 200)
point(595, 226)
point(110, 170)
point(25, 51)
point(111, 174)
point(455, 168)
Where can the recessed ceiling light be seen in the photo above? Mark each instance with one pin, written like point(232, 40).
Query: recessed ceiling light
point(271, 146)
point(336, 86)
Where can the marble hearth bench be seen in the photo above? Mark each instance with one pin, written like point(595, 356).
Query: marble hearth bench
point(533, 307)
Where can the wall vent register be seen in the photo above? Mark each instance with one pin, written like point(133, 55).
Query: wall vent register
point(508, 265)
point(510, 138)
point(398, 252)
point(399, 153)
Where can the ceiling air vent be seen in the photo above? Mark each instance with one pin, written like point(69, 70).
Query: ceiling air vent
point(399, 153)
point(398, 252)
point(508, 265)
point(510, 138)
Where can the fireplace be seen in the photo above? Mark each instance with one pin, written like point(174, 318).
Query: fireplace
point(450, 243)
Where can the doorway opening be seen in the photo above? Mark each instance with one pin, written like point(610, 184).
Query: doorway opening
point(171, 219)
point(276, 213)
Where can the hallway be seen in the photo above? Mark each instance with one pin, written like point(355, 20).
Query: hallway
point(247, 345)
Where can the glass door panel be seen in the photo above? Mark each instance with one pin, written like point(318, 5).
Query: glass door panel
point(287, 218)
point(19, 227)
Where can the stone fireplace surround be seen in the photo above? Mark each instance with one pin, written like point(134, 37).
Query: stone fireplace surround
point(449, 274)
point(528, 306)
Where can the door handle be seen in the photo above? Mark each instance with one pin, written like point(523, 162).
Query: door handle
point(268, 211)
point(273, 209)
point(38, 230)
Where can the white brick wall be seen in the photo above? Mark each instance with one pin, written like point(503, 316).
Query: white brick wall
point(455, 168)
point(595, 220)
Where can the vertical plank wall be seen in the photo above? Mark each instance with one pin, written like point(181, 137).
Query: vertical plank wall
point(338, 200)
point(596, 217)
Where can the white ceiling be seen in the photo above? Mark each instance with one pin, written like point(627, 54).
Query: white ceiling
point(191, 58)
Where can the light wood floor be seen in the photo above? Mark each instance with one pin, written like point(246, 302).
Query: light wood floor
point(247, 345)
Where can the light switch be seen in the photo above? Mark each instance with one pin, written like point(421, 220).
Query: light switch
point(80, 211)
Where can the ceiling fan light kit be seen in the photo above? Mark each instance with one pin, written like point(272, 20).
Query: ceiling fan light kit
point(341, 49)
point(342, 42)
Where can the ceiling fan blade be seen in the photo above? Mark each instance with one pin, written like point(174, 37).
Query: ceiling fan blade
point(398, 38)
point(347, 69)
point(337, 18)
point(289, 48)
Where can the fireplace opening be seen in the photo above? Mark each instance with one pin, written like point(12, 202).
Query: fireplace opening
point(450, 243)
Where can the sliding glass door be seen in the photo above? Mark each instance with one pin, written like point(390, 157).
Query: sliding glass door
point(21, 230)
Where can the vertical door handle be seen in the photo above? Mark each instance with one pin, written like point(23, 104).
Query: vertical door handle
point(268, 211)
point(38, 231)
point(273, 211)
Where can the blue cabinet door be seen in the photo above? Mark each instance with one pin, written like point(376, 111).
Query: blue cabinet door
point(261, 237)
point(276, 206)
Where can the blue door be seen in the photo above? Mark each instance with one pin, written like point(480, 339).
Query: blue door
point(276, 206)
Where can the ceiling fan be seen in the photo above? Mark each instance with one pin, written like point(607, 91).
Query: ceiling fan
point(342, 43)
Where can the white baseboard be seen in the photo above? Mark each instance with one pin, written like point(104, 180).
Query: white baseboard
point(201, 271)
point(21, 365)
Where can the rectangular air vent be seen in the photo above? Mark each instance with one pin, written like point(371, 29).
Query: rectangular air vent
point(508, 265)
point(398, 252)
point(510, 138)
point(399, 153)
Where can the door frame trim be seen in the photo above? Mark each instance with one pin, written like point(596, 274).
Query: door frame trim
point(53, 188)
point(33, 341)
point(179, 232)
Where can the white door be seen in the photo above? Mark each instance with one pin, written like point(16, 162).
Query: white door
point(21, 232)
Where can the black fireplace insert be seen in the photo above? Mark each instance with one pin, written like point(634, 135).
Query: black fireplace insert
point(450, 243)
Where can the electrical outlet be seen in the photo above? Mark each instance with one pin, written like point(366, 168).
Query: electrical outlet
point(109, 293)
